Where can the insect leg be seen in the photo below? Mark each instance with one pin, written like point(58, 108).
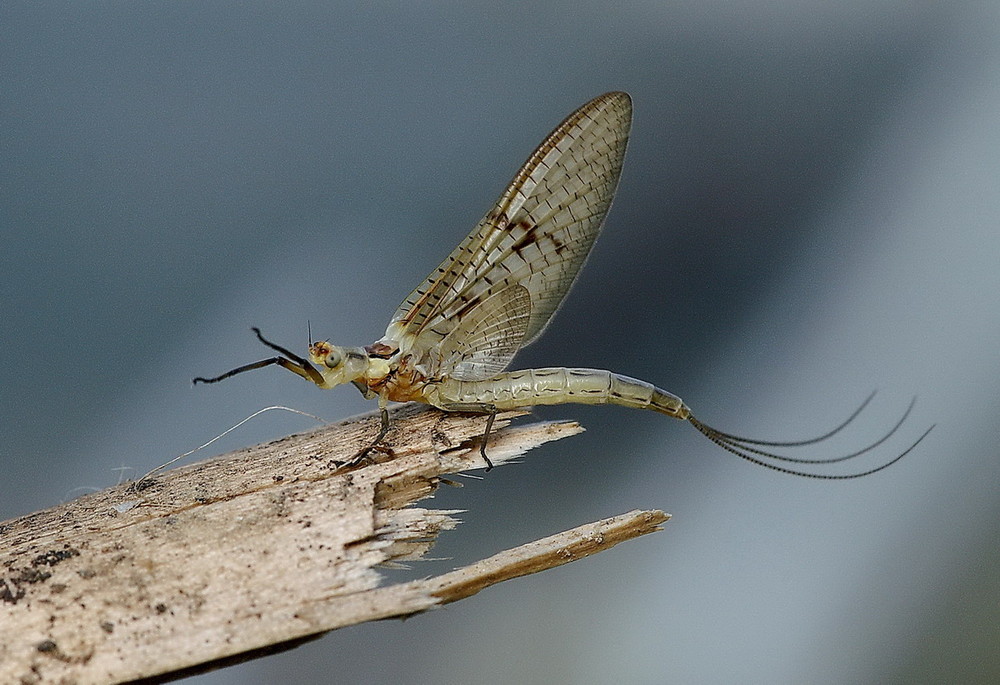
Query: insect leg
point(477, 408)
point(308, 370)
point(290, 361)
point(384, 414)
point(486, 437)
point(383, 431)
point(281, 361)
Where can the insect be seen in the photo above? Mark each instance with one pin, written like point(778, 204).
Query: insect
point(450, 341)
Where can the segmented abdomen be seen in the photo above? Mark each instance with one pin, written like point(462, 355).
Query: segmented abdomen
point(557, 386)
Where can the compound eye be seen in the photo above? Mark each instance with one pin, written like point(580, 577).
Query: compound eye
point(325, 353)
point(333, 359)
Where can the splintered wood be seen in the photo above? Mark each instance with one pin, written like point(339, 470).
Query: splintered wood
point(255, 551)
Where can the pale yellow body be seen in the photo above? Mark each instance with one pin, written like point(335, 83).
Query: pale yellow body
point(451, 340)
point(553, 386)
point(401, 381)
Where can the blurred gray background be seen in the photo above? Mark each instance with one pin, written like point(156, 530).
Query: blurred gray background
point(809, 210)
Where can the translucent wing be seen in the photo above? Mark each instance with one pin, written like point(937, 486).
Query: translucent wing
point(486, 338)
point(537, 235)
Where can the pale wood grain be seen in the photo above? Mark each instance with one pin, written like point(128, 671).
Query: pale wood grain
point(254, 551)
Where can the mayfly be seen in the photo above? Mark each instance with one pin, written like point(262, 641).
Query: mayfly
point(450, 341)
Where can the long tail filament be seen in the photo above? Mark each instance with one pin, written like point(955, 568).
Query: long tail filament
point(750, 449)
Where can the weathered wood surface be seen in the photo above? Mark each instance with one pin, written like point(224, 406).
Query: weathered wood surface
point(255, 550)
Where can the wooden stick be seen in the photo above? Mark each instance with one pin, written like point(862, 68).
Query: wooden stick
point(255, 551)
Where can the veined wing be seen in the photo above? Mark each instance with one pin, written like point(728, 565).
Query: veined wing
point(537, 235)
point(484, 341)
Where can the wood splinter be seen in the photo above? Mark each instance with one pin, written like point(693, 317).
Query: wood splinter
point(256, 551)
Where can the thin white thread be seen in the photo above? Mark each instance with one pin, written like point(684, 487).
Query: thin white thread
point(226, 432)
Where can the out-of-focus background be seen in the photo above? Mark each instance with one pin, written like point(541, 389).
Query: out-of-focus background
point(809, 210)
